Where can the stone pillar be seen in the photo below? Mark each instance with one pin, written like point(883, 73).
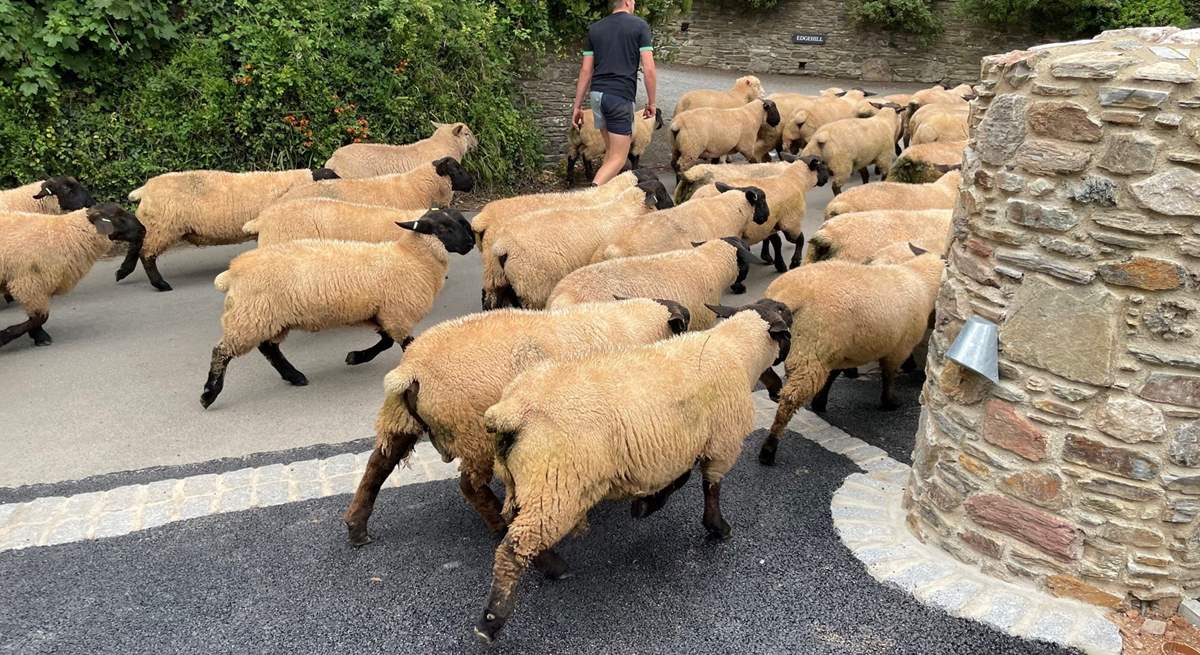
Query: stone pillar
point(1077, 230)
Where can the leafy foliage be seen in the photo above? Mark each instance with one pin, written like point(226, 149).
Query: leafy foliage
point(1075, 18)
point(911, 16)
point(116, 91)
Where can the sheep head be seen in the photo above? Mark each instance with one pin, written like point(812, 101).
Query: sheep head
point(111, 220)
point(772, 113)
point(775, 314)
point(70, 193)
point(460, 179)
point(446, 225)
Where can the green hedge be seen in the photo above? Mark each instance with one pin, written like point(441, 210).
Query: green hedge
point(115, 91)
point(1076, 18)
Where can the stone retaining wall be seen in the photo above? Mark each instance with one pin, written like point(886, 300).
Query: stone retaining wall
point(1077, 230)
point(720, 35)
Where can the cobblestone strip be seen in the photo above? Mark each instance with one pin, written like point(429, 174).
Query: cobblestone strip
point(57, 519)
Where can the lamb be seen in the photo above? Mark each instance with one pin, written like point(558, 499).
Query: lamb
point(357, 160)
point(47, 255)
point(557, 462)
point(786, 201)
point(853, 144)
point(587, 143)
point(744, 90)
point(692, 278)
point(934, 123)
point(799, 127)
point(709, 134)
point(423, 187)
point(724, 215)
point(204, 208)
point(455, 370)
point(526, 256)
point(322, 218)
point(314, 285)
point(856, 237)
point(896, 195)
point(53, 195)
point(852, 314)
point(702, 175)
point(927, 162)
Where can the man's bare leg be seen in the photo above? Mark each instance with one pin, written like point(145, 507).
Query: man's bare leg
point(615, 153)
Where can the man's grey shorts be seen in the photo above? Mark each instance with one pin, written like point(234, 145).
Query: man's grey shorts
point(612, 113)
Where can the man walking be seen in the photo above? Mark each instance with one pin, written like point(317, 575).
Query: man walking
point(615, 45)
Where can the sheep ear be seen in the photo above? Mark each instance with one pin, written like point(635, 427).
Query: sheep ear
point(946, 168)
point(697, 244)
point(840, 94)
point(787, 157)
point(45, 191)
point(916, 250)
point(458, 130)
point(651, 199)
point(416, 226)
point(722, 187)
point(103, 226)
point(721, 310)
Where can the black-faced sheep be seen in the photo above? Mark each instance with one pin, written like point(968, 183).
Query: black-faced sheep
point(744, 90)
point(853, 144)
point(322, 218)
point(857, 236)
point(586, 144)
point(896, 195)
point(927, 162)
point(707, 134)
point(53, 195)
point(430, 185)
point(373, 159)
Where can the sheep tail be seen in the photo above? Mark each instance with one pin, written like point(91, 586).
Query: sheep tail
point(251, 226)
point(222, 282)
point(398, 417)
point(820, 247)
point(136, 194)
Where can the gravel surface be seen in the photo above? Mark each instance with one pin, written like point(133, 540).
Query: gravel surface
point(283, 580)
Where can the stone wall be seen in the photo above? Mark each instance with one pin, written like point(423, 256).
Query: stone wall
point(722, 36)
point(1077, 230)
point(551, 87)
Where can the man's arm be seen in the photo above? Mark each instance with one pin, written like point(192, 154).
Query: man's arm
point(581, 87)
point(650, 77)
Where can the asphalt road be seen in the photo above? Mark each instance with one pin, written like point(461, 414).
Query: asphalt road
point(283, 580)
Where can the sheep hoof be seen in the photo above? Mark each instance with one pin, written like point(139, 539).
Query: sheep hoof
point(639, 508)
point(358, 536)
point(738, 288)
point(818, 408)
point(483, 637)
point(551, 565)
point(122, 274)
point(297, 380)
point(774, 396)
point(208, 397)
point(356, 357)
point(719, 532)
point(162, 285)
point(766, 455)
point(41, 337)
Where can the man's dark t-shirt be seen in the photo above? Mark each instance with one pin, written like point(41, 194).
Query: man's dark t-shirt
point(616, 42)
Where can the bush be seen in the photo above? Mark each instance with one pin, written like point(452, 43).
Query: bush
point(272, 84)
point(911, 16)
point(1075, 18)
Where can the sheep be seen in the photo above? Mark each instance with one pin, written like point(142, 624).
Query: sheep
point(322, 218)
point(744, 90)
point(934, 123)
point(853, 144)
point(356, 160)
point(47, 255)
point(708, 134)
point(314, 285)
point(689, 277)
point(423, 187)
point(856, 237)
point(455, 370)
point(798, 127)
point(901, 99)
point(724, 215)
point(587, 144)
point(896, 195)
point(630, 423)
point(771, 138)
point(786, 200)
point(53, 195)
point(900, 252)
point(853, 314)
point(935, 95)
point(927, 162)
point(204, 208)
point(524, 257)
point(702, 175)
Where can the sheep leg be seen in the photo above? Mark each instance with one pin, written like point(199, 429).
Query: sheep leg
point(850, 373)
point(634, 160)
point(821, 400)
point(801, 385)
point(765, 255)
point(770, 380)
point(865, 174)
point(379, 467)
point(31, 326)
point(570, 171)
point(887, 375)
point(640, 508)
point(221, 355)
point(716, 525)
point(274, 355)
point(528, 540)
point(150, 264)
point(837, 188)
point(356, 357)
point(796, 254)
point(780, 266)
point(909, 365)
point(130, 262)
point(588, 169)
point(475, 489)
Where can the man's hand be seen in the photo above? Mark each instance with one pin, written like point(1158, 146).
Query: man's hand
point(649, 113)
point(577, 117)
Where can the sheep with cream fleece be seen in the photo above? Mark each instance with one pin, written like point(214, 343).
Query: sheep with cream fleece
point(937, 123)
point(630, 423)
point(798, 128)
point(47, 255)
point(744, 90)
point(204, 208)
point(896, 195)
point(455, 370)
point(524, 257)
point(54, 195)
point(356, 160)
point(315, 285)
point(586, 143)
point(853, 144)
point(927, 162)
point(693, 278)
point(786, 200)
point(707, 134)
point(848, 315)
point(725, 215)
point(322, 218)
point(701, 175)
point(430, 185)
point(856, 237)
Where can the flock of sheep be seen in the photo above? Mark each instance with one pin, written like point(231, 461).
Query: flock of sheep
point(601, 370)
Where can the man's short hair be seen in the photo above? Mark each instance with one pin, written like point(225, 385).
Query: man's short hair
point(613, 4)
